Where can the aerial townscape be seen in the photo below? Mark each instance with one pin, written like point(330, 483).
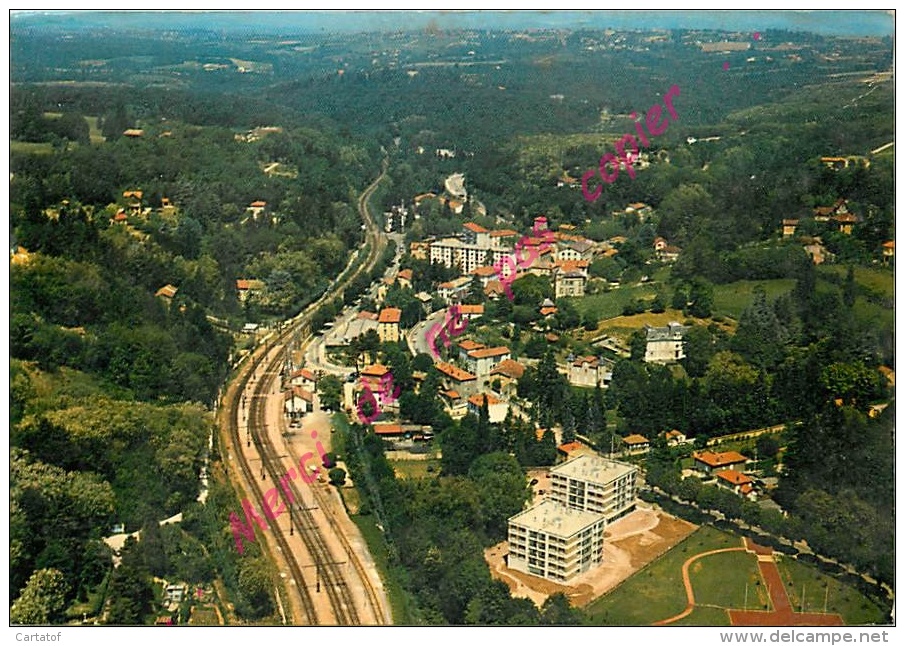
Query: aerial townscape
point(427, 318)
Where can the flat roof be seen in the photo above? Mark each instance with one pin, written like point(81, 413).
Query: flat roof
point(552, 518)
point(593, 468)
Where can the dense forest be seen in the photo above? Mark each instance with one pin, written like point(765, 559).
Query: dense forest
point(148, 179)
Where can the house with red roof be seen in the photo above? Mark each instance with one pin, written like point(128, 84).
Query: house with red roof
point(736, 482)
point(709, 462)
point(297, 401)
point(483, 360)
point(388, 324)
point(454, 378)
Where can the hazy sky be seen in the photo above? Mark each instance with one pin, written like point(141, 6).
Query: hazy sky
point(844, 23)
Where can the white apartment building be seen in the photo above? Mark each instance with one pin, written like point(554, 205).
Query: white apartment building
point(555, 542)
point(595, 484)
point(467, 256)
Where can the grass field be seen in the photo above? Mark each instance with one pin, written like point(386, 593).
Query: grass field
point(855, 608)
point(29, 148)
point(719, 582)
point(415, 468)
point(659, 584)
point(610, 304)
point(881, 281)
point(732, 299)
point(720, 579)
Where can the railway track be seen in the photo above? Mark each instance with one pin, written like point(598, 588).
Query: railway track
point(266, 363)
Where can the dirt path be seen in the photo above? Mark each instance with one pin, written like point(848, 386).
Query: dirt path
point(686, 580)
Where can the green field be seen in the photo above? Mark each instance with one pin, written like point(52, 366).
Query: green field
point(855, 608)
point(29, 148)
point(415, 468)
point(732, 299)
point(659, 584)
point(610, 304)
point(719, 582)
point(882, 281)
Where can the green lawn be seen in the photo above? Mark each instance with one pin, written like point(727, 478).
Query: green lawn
point(659, 584)
point(855, 608)
point(415, 468)
point(881, 281)
point(204, 616)
point(610, 304)
point(705, 617)
point(27, 147)
point(733, 298)
point(719, 580)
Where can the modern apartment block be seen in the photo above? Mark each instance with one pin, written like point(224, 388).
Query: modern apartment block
point(595, 484)
point(555, 542)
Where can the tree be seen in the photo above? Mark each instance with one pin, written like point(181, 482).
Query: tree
point(502, 490)
point(330, 389)
point(254, 587)
point(132, 595)
point(701, 298)
point(557, 611)
point(43, 599)
point(760, 336)
point(337, 477)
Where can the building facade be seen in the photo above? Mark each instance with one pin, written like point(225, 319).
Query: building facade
point(555, 542)
point(594, 484)
point(665, 344)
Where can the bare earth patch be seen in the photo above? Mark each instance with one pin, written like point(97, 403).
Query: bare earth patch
point(630, 543)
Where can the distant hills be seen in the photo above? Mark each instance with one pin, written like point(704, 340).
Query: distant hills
point(835, 23)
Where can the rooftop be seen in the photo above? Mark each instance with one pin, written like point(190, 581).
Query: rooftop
point(453, 372)
point(556, 519)
point(719, 459)
point(478, 400)
point(593, 469)
point(734, 477)
point(483, 353)
point(390, 315)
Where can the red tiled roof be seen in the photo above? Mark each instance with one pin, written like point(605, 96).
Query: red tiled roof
point(388, 429)
point(891, 244)
point(471, 309)
point(478, 400)
point(544, 311)
point(300, 392)
point(484, 270)
point(453, 372)
point(304, 373)
point(389, 315)
point(571, 446)
point(406, 274)
point(468, 345)
point(509, 368)
point(503, 233)
point(719, 459)
point(483, 353)
point(451, 394)
point(471, 226)
point(734, 477)
point(370, 316)
point(375, 370)
point(634, 439)
point(258, 204)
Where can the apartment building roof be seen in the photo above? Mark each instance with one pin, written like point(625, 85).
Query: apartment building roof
point(483, 353)
point(390, 315)
point(453, 372)
point(592, 468)
point(558, 520)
